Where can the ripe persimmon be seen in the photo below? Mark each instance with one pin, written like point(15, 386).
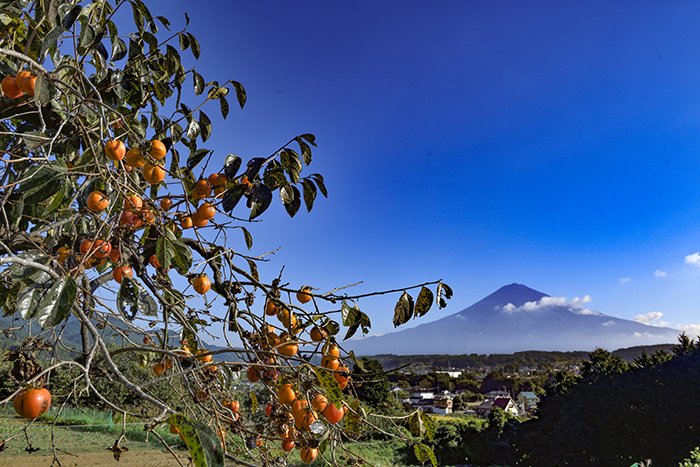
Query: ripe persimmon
point(201, 190)
point(115, 255)
point(153, 261)
point(253, 374)
point(286, 394)
point(99, 248)
point(217, 179)
point(133, 202)
point(130, 219)
point(10, 88)
point(304, 295)
point(333, 414)
point(204, 357)
point(307, 420)
point(32, 403)
point(318, 334)
point(166, 203)
point(234, 406)
point(308, 455)
point(134, 158)
point(287, 317)
point(341, 376)
point(153, 174)
point(199, 221)
point(62, 254)
point(288, 349)
point(201, 284)
point(157, 149)
point(120, 272)
point(97, 201)
point(26, 82)
point(330, 363)
point(333, 351)
point(206, 211)
point(115, 149)
point(287, 445)
point(159, 369)
point(319, 403)
point(186, 222)
point(271, 307)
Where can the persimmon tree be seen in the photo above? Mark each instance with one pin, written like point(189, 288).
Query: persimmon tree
point(114, 215)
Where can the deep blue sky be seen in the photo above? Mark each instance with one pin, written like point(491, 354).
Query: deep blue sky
point(555, 144)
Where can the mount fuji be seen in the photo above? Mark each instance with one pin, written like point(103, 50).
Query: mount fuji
point(516, 318)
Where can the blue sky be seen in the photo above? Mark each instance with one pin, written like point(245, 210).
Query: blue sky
point(555, 144)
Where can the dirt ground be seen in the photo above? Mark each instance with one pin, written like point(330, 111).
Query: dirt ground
point(97, 459)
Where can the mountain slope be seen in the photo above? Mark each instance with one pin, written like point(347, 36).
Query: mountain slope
point(516, 318)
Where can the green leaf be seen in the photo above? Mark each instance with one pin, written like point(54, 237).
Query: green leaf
point(223, 104)
point(198, 83)
point(291, 163)
point(415, 424)
point(194, 45)
point(70, 17)
point(42, 183)
point(232, 196)
point(424, 454)
point(56, 304)
point(318, 178)
point(193, 130)
point(44, 90)
point(248, 238)
point(443, 293)
point(184, 41)
point(87, 37)
point(309, 193)
point(28, 298)
point(259, 200)
point(118, 49)
point(201, 441)
point(182, 257)
point(330, 386)
point(348, 313)
point(50, 40)
point(240, 93)
point(430, 427)
point(128, 298)
point(423, 302)
point(232, 165)
point(253, 401)
point(403, 311)
point(196, 157)
point(253, 269)
point(311, 139)
point(205, 125)
point(305, 151)
point(291, 199)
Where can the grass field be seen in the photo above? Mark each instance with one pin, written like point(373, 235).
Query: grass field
point(84, 436)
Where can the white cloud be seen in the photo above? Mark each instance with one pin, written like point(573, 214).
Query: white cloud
point(647, 334)
point(575, 305)
point(653, 318)
point(609, 323)
point(693, 330)
point(660, 273)
point(624, 280)
point(693, 259)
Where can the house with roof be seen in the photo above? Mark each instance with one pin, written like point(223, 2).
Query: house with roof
point(527, 401)
point(430, 402)
point(505, 403)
